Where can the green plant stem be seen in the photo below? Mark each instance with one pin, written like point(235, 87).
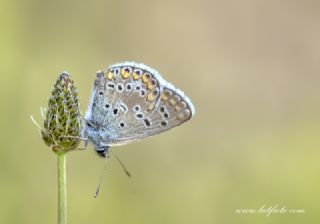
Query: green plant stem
point(62, 189)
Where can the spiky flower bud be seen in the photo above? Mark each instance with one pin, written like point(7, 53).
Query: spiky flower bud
point(62, 124)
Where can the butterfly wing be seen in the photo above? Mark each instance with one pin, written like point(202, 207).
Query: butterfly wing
point(132, 102)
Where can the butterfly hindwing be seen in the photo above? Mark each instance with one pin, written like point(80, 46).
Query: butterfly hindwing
point(131, 102)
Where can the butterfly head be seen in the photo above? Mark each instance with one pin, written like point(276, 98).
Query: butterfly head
point(94, 134)
point(102, 152)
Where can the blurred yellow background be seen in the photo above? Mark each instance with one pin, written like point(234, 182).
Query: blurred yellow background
point(251, 69)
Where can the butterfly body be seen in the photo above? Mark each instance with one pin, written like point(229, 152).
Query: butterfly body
point(131, 102)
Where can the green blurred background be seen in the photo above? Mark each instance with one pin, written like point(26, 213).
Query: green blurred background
point(250, 67)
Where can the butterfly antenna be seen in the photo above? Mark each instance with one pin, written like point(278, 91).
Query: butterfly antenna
point(122, 165)
point(103, 173)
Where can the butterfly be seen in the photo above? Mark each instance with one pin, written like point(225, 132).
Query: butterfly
point(131, 102)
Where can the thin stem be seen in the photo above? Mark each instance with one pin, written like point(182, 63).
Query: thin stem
point(62, 189)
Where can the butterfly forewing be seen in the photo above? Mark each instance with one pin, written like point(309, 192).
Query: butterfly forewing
point(132, 101)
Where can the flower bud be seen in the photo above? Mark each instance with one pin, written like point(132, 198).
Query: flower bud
point(62, 124)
